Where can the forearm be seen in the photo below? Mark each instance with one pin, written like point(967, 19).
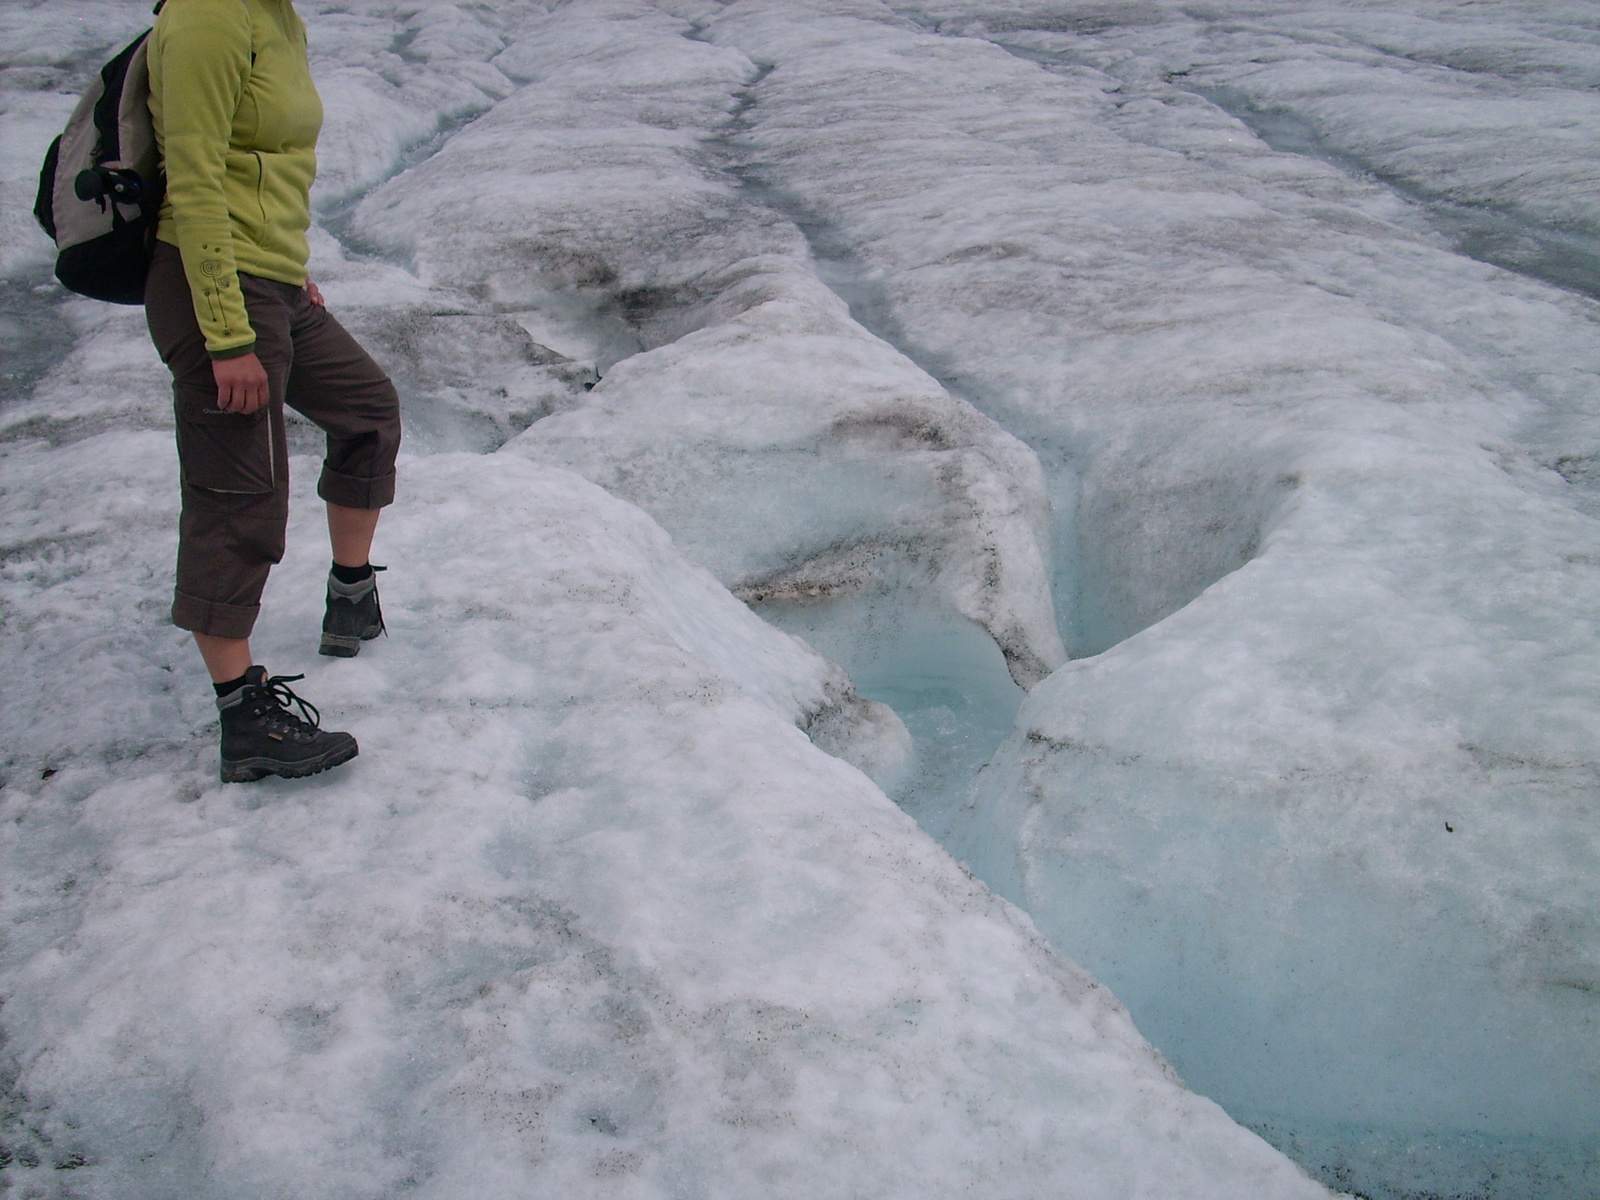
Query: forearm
point(205, 240)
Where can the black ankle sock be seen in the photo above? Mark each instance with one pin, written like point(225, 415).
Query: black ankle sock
point(232, 685)
point(352, 574)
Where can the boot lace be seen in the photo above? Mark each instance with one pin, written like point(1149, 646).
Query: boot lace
point(273, 698)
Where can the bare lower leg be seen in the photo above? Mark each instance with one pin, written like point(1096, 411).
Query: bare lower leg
point(226, 658)
point(350, 530)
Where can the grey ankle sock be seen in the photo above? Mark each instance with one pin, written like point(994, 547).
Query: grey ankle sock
point(350, 591)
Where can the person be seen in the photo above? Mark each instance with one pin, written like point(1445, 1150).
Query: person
point(245, 332)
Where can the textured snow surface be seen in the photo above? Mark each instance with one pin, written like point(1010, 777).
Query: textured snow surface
point(786, 447)
point(1246, 351)
point(591, 915)
point(1323, 812)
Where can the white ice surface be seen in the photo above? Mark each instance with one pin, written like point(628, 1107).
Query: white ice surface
point(789, 450)
point(1498, 111)
point(1325, 811)
point(1320, 807)
point(390, 79)
point(590, 915)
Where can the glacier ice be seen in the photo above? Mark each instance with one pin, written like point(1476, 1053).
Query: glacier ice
point(1321, 806)
point(590, 912)
point(788, 449)
point(928, 329)
point(591, 915)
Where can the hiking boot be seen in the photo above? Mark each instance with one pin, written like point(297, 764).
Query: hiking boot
point(261, 737)
point(353, 616)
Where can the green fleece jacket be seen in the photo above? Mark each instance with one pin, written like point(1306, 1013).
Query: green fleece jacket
point(237, 118)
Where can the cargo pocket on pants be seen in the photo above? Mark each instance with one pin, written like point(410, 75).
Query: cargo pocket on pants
point(227, 452)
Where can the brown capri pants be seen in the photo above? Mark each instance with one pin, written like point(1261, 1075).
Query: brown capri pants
point(234, 469)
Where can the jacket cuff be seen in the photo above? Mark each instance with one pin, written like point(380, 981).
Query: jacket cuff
point(234, 351)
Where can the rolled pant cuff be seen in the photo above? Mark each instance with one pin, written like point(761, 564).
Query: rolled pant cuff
point(213, 618)
point(352, 491)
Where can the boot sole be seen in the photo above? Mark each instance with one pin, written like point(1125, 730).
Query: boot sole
point(248, 770)
point(343, 645)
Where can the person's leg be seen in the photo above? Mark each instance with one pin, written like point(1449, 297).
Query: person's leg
point(234, 473)
point(227, 659)
point(234, 480)
point(336, 384)
point(350, 532)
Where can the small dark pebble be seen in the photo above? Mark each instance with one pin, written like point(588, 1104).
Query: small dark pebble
point(72, 1162)
point(48, 771)
point(1449, 828)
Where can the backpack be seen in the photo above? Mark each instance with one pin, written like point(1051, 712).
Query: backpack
point(101, 185)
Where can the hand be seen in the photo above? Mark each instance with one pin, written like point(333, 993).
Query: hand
point(241, 383)
point(314, 295)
